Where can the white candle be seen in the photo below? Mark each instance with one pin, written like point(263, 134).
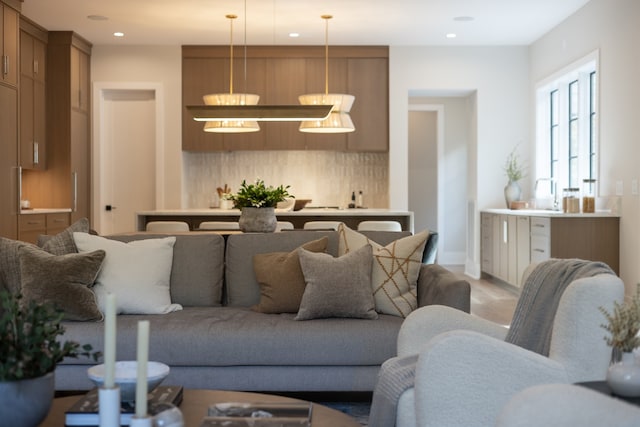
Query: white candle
point(110, 341)
point(143, 357)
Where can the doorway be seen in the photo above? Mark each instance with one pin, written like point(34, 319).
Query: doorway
point(127, 156)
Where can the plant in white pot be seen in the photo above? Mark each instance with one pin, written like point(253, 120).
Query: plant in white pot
point(257, 203)
point(623, 325)
point(29, 353)
point(515, 172)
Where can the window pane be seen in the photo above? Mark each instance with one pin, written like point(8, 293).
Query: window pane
point(573, 99)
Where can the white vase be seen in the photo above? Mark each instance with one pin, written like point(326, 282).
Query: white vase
point(25, 403)
point(258, 220)
point(623, 377)
point(512, 193)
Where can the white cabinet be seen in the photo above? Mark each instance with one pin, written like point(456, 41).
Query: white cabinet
point(540, 239)
point(505, 246)
point(523, 252)
point(486, 246)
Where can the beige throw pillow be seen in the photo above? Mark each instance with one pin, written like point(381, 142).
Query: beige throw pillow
point(337, 287)
point(395, 270)
point(280, 278)
point(62, 280)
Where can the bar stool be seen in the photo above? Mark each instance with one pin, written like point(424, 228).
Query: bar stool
point(321, 225)
point(219, 225)
point(284, 225)
point(379, 226)
point(167, 226)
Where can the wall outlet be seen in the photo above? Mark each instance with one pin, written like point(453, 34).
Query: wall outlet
point(634, 186)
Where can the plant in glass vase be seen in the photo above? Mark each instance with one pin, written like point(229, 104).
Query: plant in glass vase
point(29, 354)
point(623, 325)
point(257, 202)
point(515, 172)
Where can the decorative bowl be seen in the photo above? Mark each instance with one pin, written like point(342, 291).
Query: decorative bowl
point(300, 203)
point(126, 376)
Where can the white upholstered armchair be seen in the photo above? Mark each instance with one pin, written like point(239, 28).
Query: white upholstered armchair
point(467, 369)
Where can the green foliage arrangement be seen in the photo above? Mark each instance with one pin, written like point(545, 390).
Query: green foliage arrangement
point(258, 195)
point(624, 324)
point(512, 167)
point(28, 345)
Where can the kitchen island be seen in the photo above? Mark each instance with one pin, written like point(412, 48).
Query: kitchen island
point(351, 217)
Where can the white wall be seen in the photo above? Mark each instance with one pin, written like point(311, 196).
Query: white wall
point(499, 76)
point(612, 27)
point(151, 64)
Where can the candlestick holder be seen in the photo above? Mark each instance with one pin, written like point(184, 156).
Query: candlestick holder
point(145, 421)
point(109, 406)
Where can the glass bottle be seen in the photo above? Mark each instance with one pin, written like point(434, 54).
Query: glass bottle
point(588, 195)
point(571, 200)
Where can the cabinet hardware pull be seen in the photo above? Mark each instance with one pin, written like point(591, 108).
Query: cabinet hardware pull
point(36, 154)
point(35, 66)
point(538, 250)
point(33, 222)
point(19, 187)
point(75, 190)
point(5, 64)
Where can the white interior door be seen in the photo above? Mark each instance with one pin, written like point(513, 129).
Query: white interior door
point(423, 169)
point(127, 158)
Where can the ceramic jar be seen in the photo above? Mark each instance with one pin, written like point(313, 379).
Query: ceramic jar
point(623, 377)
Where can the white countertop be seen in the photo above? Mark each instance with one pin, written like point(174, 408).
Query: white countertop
point(550, 213)
point(303, 212)
point(44, 211)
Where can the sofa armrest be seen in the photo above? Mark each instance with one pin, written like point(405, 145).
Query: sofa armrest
point(437, 285)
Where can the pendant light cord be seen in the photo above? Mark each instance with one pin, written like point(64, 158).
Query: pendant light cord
point(326, 53)
point(231, 18)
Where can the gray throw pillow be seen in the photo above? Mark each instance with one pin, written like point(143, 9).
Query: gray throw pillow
point(62, 280)
point(10, 264)
point(63, 243)
point(337, 287)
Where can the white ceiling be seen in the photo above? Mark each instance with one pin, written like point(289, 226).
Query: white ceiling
point(268, 22)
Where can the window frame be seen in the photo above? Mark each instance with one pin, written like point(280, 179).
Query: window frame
point(554, 138)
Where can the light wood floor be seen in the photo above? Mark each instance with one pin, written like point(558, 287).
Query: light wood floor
point(491, 299)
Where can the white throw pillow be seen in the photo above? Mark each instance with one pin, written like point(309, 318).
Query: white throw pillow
point(395, 270)
point(138, 273)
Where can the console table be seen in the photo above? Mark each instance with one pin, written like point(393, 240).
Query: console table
point(196, 402)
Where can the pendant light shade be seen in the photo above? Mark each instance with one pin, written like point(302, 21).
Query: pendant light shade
point(339, 120)
point(231, 99)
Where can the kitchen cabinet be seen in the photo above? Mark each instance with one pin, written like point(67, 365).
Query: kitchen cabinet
point(33, 41)
point(9, 36)
point(511, 241)
point(66, 181)
point(279, 74)
point(9, 162)
point(33, 225)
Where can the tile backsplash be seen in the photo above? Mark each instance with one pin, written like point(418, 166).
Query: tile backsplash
point(326, 177)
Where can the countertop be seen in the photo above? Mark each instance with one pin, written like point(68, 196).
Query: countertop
point(302, 212)
point(550, 213)
point(43, 211)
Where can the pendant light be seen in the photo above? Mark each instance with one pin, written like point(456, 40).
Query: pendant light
point(339, 120)
point(231, 99)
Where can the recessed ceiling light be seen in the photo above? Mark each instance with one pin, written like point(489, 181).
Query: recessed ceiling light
point(118, 34)
point(97, 17)
point(451, 36)
point(464, 18)
point(294, 35)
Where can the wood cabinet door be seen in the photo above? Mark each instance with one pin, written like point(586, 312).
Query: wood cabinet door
point(9, 162)
point(368, 82)
point(79, 180)
point(9, 44)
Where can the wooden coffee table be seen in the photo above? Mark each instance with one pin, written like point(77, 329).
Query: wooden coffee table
point(196, 402)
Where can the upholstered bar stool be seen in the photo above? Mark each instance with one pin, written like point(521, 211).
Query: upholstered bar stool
point(321, 225)
point(284, 225)
point(219, 225)
point(167, 226)
point(379, 226)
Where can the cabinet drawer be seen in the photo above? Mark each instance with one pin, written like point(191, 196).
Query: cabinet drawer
point(57, 221)
point(540, 226)
point(32, 222)
point(540, 248)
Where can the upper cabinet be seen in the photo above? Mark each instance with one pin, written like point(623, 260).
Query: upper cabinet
point(33, 45)
point(279, 74)
point(9, 24)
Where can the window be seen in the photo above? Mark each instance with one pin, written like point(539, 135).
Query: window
point(567, 128)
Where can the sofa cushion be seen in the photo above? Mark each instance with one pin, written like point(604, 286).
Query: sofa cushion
point(197, 268)
point(395, 269)
point(137, 273)
point(62, 280)
point(280, 277)
point(242, 288)
point(238, 336)
point(337, 287)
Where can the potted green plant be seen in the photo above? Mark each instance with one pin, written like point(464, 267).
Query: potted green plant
point(29, 353)
point(623, 325)
point(257, 201)
point(515, 172)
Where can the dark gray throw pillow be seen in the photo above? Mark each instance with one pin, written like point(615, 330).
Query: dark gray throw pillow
point(62, 280)
point(337, 287)
point(63, 243)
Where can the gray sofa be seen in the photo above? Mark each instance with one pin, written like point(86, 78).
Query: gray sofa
point(218, 342)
